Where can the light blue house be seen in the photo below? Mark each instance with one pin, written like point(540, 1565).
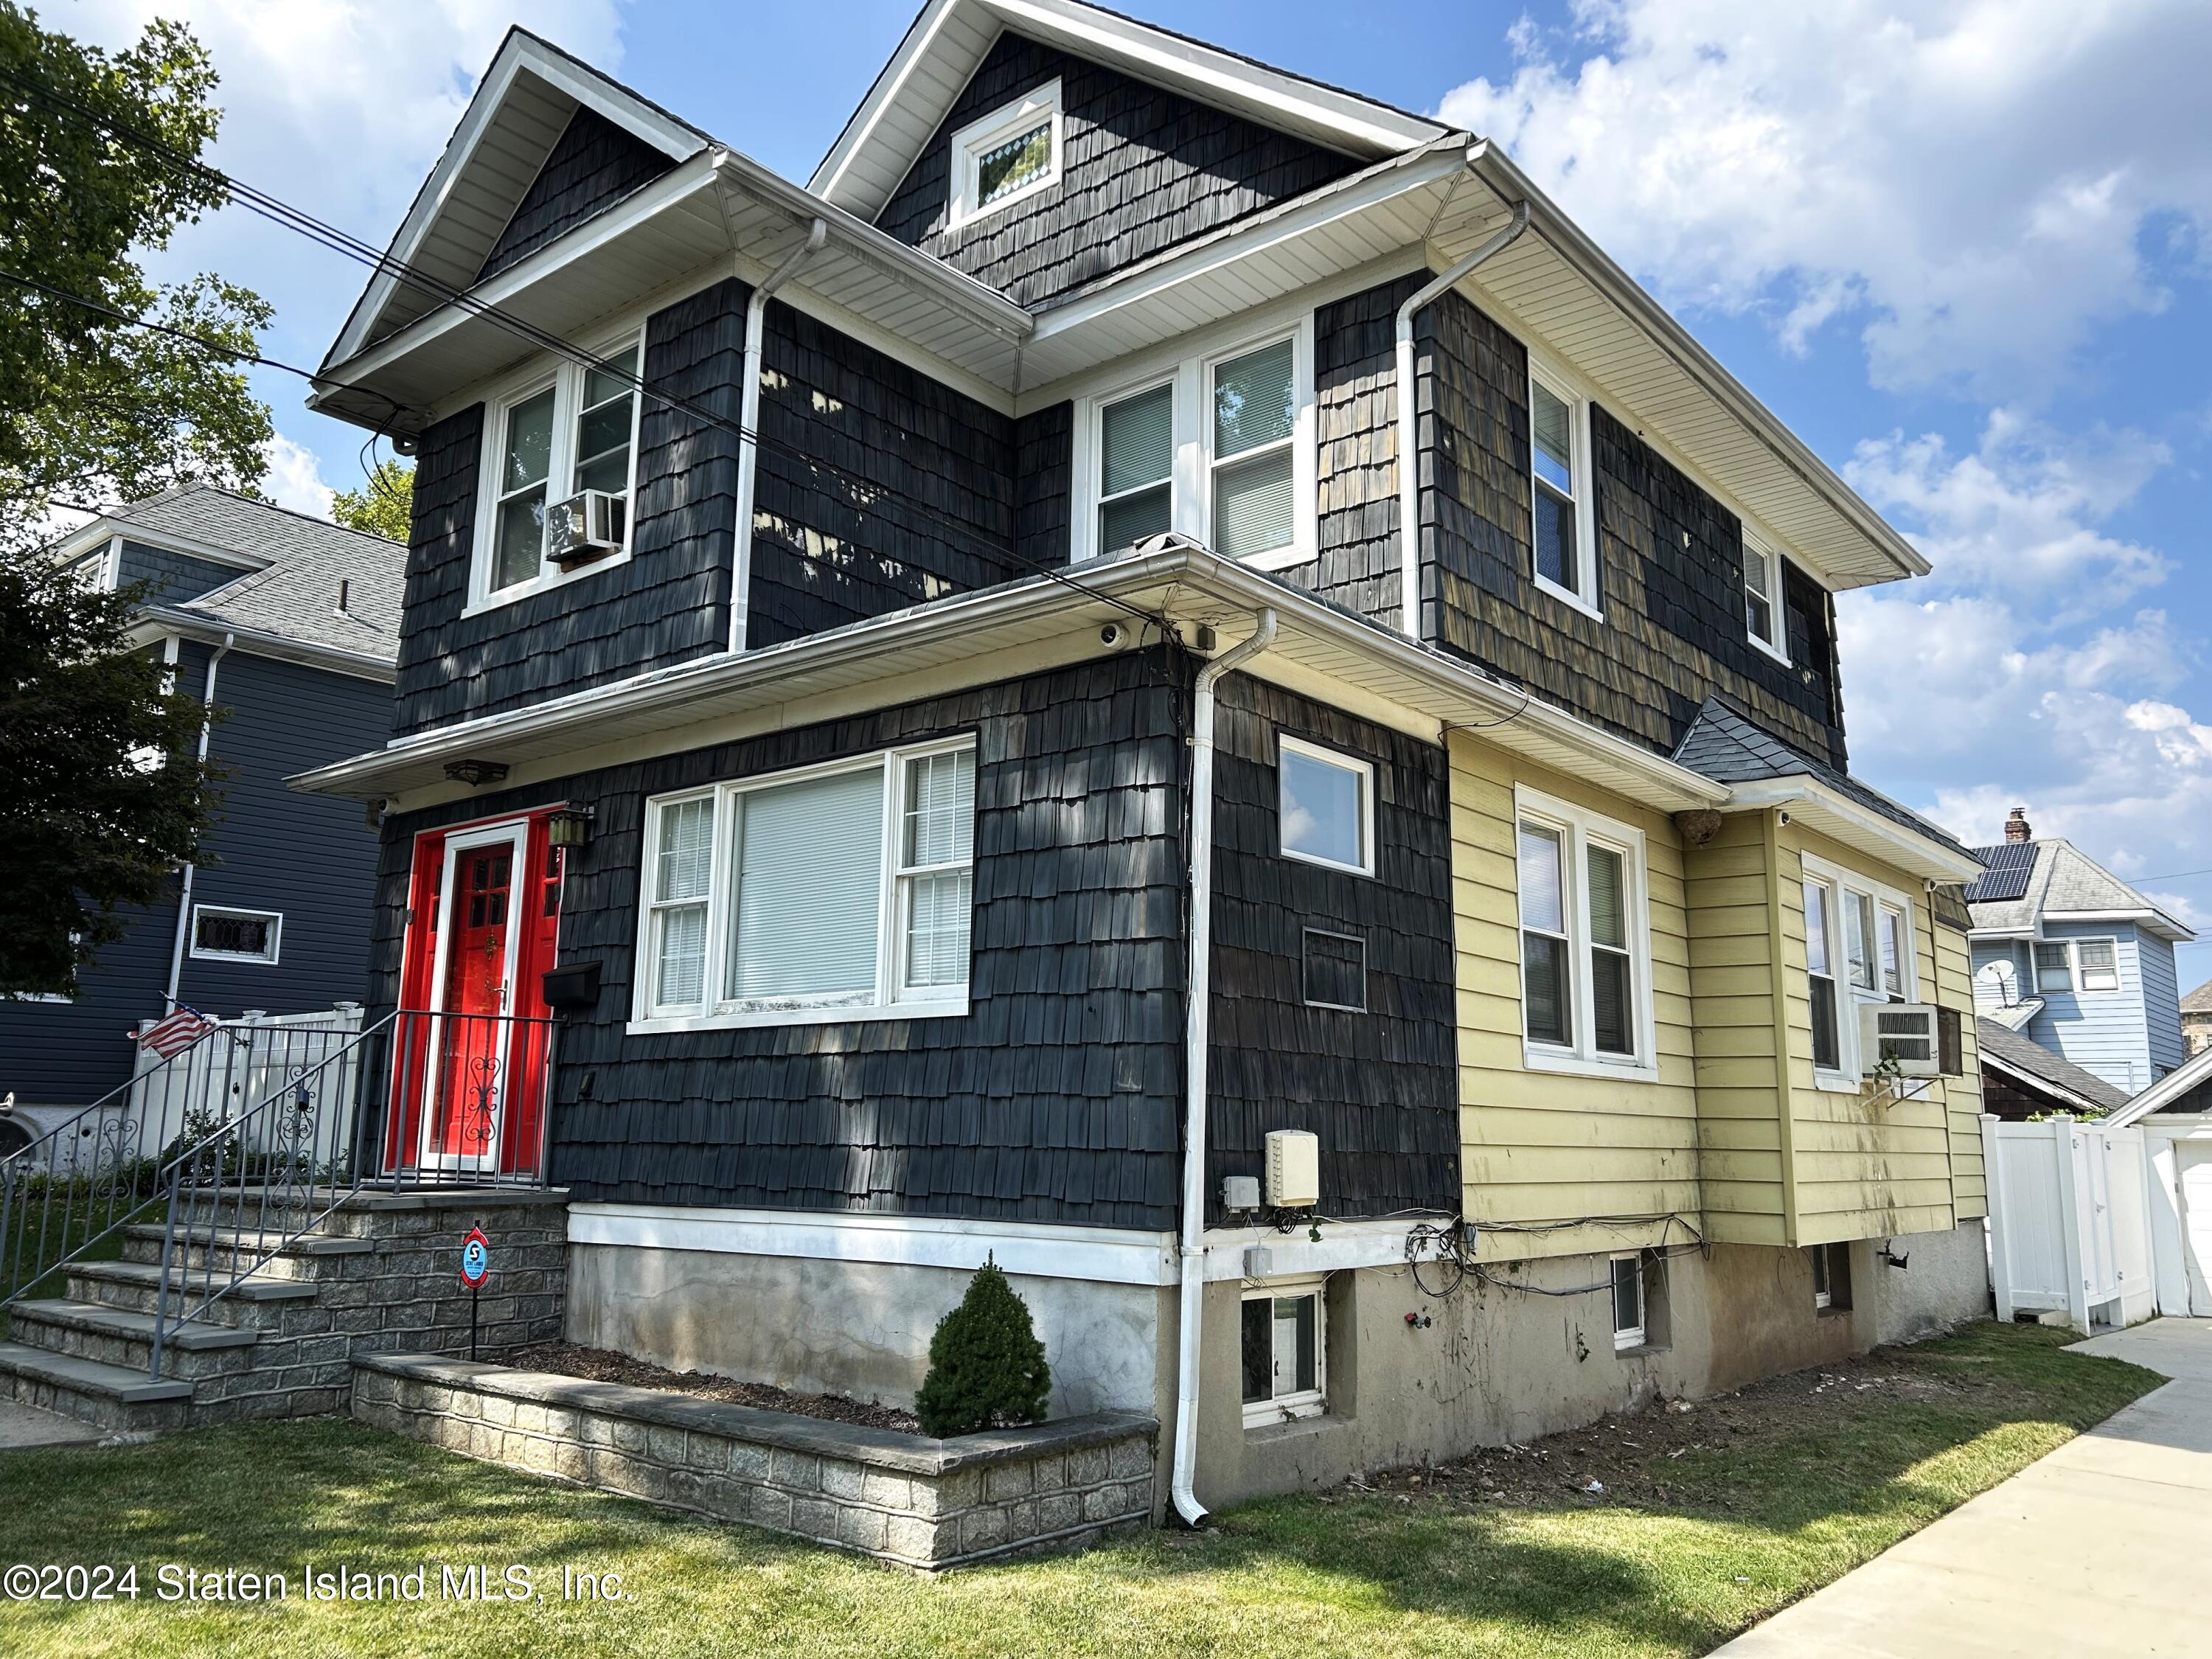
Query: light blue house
point(2075, 960)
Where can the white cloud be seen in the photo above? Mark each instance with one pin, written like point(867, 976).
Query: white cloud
point(1970, 182)
point(294, 478)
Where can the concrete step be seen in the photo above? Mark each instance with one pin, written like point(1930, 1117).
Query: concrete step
point(118, 1337)
point(115, 1397)
point(312, 1256)
point(254, 1302)
point(367, 1212)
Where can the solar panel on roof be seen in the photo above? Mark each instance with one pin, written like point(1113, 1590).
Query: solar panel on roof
point(2009, 867)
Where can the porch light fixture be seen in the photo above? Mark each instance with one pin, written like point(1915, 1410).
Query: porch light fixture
point(569, 826)
point(476, 773)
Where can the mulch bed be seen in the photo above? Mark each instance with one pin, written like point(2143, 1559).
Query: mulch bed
point(1629, 1457)
point(605, 1365)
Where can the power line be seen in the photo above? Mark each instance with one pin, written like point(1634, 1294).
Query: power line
point(342, 242)
point(2174, 875)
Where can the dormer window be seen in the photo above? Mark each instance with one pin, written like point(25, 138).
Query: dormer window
point(554, 434)
point(1012, 153)
point(1762, 597)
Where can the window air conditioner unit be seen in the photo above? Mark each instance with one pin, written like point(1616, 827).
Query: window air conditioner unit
point(587, 526)
point(1293, 1168)
point(1905, 1032)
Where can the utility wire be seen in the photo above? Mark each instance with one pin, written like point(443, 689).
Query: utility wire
point(296, 220)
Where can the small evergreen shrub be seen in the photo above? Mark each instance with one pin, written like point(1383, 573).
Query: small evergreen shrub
point(987, 1367)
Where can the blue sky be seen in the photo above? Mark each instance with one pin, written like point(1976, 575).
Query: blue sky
point(1960, 245)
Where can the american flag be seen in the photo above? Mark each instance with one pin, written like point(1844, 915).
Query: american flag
point(172, 1036)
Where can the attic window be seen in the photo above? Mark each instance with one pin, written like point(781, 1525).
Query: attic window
point(1762, 597)
point(1012, 153)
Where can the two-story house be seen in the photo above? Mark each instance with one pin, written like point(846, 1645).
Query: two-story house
point(2075, 960)
point(285, 628)
point(1152, 602)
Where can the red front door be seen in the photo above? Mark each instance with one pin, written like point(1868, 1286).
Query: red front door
point(472, 1073)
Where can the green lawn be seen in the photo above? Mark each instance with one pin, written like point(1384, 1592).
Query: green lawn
point(1798, 1488)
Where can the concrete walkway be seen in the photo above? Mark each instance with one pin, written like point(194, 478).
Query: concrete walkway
point(27, 1425)
point(2099, 1548)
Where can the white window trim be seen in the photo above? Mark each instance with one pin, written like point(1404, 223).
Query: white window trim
point(1823, 1299)
point(1364, 771)
point(274, 918)
point(1777, 647)
point(1578, 826)
point(566, 380)
point(2073, 947)
point(1632, 1336)
point(1190, 492)
point(1851, 1075)
point(1587, 595)
point(718, 1012)
point(1299, 1402)
point(971, 142)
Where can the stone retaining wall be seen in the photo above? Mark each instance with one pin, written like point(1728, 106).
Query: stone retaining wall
point(923, 1504)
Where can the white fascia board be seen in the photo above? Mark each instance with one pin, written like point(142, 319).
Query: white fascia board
point(1343, 1245)
point(163, 620)
point(518, 52)
point(1597, 268)
point(1860, 828)
point(2150, 917)
point(1098, 1254)
point(2174, 1084)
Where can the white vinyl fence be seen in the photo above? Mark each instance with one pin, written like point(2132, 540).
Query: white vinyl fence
point(2069, 1221)
point(231, 1071)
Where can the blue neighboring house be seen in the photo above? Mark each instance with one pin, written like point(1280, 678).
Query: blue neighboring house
point(290, 624)
point(2071, 957)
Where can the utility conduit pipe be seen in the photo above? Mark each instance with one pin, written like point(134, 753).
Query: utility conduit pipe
point(1194, 1059)
point(741, 569)
point(1409, 475)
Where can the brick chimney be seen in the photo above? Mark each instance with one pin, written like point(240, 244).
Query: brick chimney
point(2016, 828)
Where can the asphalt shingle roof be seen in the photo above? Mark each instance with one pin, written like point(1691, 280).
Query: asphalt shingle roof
point(2064, 878)
point(295, 595)
point(2001, 1042)
point(1725, 744)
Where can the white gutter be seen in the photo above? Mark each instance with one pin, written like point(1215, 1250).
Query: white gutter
point(1409, 475)
point(1195, 1011)
point(184, 892)
point(741, 569)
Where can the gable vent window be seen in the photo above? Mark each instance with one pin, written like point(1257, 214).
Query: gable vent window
point(227, 935)
point(1336, 970)
point(841, 892)
point(1762, 598)
point(1560, 496)
point(560, 451)
point(1011, 154)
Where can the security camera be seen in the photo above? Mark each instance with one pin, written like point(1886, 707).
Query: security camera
point(405, 443)
point(1111, 635)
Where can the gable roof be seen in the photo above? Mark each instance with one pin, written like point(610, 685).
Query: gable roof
point(1726, 744)
point(950, 39)
point(2171, 1091)
point(291, 599)
point(2005, 1050)
point(2063, 883)
point(2198, 1001)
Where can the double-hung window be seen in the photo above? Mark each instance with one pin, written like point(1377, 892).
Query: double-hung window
point(1010, 155)
point(843, 892)
point(1585, 940)
point(1283, 1340)
point(561, 430)
point(1763, 613)
point(1217, 446)
point(2064, 966)
point(1858, 949)
point(1560, 492)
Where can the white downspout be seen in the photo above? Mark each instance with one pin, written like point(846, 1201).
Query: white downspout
point(184, 891)
point(1409, 479)
point(741, 571)
point(1193, 1060)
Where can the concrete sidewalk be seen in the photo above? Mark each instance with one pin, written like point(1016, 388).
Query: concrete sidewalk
point(2098, 1549)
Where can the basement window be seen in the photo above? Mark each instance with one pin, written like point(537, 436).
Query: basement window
point(1832, 1277)
point(1010, 155)
point(1283, 1339)
point(1628, 1327)
point(225, 935)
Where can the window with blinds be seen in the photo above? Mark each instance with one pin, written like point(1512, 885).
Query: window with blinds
point(831, 894)
point(1254, 413)
point(1136, 467)
point(1585, 945)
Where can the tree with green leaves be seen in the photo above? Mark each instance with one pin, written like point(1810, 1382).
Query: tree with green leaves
point(101, 795)
point(987, 1368)
point(385, 506)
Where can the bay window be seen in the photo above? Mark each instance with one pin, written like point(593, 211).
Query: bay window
point(842, 891)
point(1585, 941)
point(1858, 949)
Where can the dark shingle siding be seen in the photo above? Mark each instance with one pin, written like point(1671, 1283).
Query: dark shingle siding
point(667, 604)
point(1057, 1098)
point(913, 497)
point(1142, 170)
point(170, 577)
point(1380, 1088)
point(592, 165)
point(1045, 464)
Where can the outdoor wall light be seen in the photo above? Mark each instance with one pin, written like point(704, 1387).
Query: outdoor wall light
point(568, 826)
point(476, 773)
